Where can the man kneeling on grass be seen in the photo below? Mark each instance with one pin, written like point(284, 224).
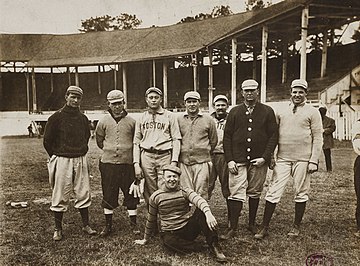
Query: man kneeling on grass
point(179, 229)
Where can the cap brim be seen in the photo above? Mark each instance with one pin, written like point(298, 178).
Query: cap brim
point(116, 101)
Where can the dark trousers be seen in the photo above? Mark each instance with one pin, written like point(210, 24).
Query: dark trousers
point(327, 154)
point(182, 240)
point(219, 169)
point(113, 178)
point(357, 189)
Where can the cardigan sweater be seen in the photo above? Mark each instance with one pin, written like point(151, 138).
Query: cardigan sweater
point(67, 133)
point(250, 135)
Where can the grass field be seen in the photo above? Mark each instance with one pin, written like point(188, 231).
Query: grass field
point(26, 233)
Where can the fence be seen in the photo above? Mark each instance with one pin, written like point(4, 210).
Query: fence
point(344, 122)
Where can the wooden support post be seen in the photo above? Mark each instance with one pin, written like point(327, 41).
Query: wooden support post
point(51, 79)
point(165, 83)
point(69, 75)
point(154, 73)
point(124, 79)
point(195, 71)
point(211, 79)
point(324, 54)
point(115, 77)
point(33, 85)
point(254, 63)
point(304, 29)
point(28, 90)
point(77, 76)
point(99, 79)
point(284, 61)
point(265, 33)
point(233, 70)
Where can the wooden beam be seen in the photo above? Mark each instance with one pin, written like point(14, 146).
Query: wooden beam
point(233, 70)
point(124, 79)
point(51, 79)
point(165, 83)
point(69, 75)
point(324, 54)
point(195, 71)
point(115, 77)
point(335, 7)
point(211, 79)
point(27, 90)
point(304, 29)
point(284, 61)
point(263, 63)
point(154, 73)
point(254, 62)
point(77, 76)
point(33, 85)
point(99, 79)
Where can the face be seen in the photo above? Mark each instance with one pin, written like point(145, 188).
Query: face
point(298, 95)
point(250, 94)
point(117, 107)
point(171, 180)
point(73, 100)
point(220, 107)
point(153, 100)
point(192, 106)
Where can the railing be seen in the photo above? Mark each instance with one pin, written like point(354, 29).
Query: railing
point(344, 122)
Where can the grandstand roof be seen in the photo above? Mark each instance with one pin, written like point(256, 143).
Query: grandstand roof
point(283, 19)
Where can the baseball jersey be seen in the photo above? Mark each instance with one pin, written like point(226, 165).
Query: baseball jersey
point(220, 126)
point(118, 139)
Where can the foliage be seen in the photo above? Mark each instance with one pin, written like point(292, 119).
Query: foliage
point(218, 11)
point(256, 4)
point(108, 23)
point(356, 35)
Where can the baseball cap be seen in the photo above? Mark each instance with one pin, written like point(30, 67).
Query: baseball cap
point(115, 96)
point(172, 168)
point(74, 90)
point(220, 97)
point(153, 89)
point(249, 84)
point(192, 95)
point(299, 83)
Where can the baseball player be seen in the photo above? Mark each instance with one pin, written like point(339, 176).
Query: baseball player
point(250, 137)
point(179, 227)
point(156, 142)
point(114, 135)
point(199, 139)
point(299, 148)
point(221, 104)
point(356, 146)
point(66, 141)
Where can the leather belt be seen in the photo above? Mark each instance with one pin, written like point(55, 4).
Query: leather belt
point(157, 151)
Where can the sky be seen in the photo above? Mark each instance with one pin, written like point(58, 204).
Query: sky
point(64, 16)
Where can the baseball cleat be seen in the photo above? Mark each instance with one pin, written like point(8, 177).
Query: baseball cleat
point(262, 233)
point(87, 229)
point(57, 235)
point(295, 231)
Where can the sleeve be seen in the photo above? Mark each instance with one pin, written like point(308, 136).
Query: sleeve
point(196, 199)
point(87, 128)
point(330, 128)
point(50, 134)
point(213, 137)
point(175, 136)
point(100, 134)
point(137, 140)
point(227, 140)
point(317, 136)
point(151, 220)
point(356, 137)
point(273, 133)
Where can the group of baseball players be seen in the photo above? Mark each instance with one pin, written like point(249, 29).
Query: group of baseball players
point(173, 161)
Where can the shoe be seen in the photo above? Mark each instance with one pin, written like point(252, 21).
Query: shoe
point(106, 231)
point(357, 233)
point(262, 233)
point(230, 234)
point(135, 229)
point(87, 229)
point(57, 235)
point(295, 231)
point(216, 251)
point(252, 229)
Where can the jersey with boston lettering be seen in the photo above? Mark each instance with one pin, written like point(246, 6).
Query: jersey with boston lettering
point(220, 126)
point(156, 131)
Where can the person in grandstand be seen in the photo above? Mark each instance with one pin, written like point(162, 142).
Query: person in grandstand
point(250, 137)
point(199, 139)
point(329, 128)
point(178, 226)
point(156, 142)
point(66, 141)
point(114, 135)
point(299, 148)
point(356, 146)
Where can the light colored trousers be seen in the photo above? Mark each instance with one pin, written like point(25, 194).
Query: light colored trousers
point(283, 171)
point(67, 175)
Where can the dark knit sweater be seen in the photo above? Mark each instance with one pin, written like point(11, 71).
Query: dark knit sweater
point(67, 133)
point(249, 136)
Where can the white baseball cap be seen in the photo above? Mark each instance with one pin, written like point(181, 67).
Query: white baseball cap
point(220, 97)
point(115, 96)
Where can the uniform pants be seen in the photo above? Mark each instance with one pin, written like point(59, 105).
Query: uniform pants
point(357, 190)
point(283, 171)
point(182, 240)
point(113, 178)
point(327, 155)
point(248, 181)
point(219, 169)
point(196, 177)
point(67, 175)
point(152, 164)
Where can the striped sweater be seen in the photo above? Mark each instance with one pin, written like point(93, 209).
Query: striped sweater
point(173, 209)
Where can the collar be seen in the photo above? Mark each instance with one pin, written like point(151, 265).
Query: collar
point(70, 110)
point(292, 105)
point(198, 114)
point(159, 111)
point(122, 114)
point(219, 118)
